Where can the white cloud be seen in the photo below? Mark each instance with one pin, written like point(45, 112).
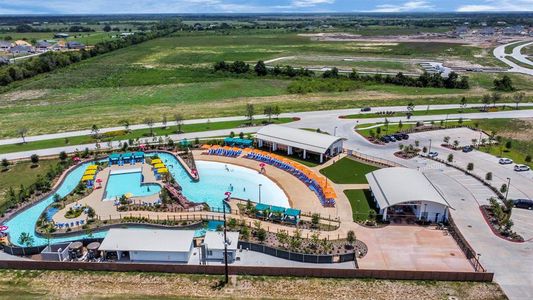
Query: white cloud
point(498, 5)
point(407, 6)
point(310, 3)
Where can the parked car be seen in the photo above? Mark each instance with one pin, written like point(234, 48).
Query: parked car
point(392, 139)
point(523, 203)
point(521, 168)
point(505, 161)
point(467, 149)
point(433, 154)
point(398, 136)
point(405, 136)
point(365, 109)
point(385, 139)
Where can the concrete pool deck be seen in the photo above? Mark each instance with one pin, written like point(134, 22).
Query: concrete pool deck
point(106, 208)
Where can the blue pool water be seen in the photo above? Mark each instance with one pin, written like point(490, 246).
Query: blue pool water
point(215, 180)
point(121, 184)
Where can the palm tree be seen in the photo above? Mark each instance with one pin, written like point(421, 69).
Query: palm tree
point(25, 240)
point(446, 140)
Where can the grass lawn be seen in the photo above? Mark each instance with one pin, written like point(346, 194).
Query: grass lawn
point(361, 203)
point(429, 112)
point(134, 134)
point(395, 127)
point(347, 171)
point(516, 61)
point(22, 173)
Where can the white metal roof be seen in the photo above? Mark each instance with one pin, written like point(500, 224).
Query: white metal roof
point(215, 240)
point(299, 138)
point(152, 240)
point(392, 186)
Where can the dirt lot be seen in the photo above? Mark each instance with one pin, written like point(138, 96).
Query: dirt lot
point(93, 285)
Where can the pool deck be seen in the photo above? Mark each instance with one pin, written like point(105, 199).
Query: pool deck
point(106, 209)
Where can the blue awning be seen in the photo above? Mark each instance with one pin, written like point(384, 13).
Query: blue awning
point(291, 212)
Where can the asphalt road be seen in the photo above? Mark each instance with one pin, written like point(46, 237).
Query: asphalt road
point(499, 53)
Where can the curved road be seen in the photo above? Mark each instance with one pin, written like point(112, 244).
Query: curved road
point(499, 53)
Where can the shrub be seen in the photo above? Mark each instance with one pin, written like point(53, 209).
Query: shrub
point(470, 167)
point(488, 176)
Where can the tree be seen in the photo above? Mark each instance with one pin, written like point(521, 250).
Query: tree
point(260, 68)
point(245, 232)
point(150, 123)
point(276, 111)
point(269, 111)
point(63, 156)
point(528, 158)
point(34, 159)
point(518, 97)
point(470, 166)
point(450, 158)
point(400, 125)
point(25, 239)
point(505, 84)
point(315, 220)
point(283, 237)
point(22, 133)
point(126, 124)
point(261, 235)
point(410, 109)
point(5, 164)
point(503, 188)
point(95, 131)
point(455, 143)
point(446, 140)
point(164, 122)
point(250, 112)
point(179, 121)
point(495, 97)
point(486, 101)
point(350, 237)
point(488, 176)
point(107, 28)
point(463, 103)
point(508, 145)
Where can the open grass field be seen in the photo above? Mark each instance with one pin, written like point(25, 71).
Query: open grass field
point(22, 173)
point(361, 203)
point(87, 38)
point(134, 134)
point(347, 171)
point(109, 285)
point(517, 131)
point(172, 74)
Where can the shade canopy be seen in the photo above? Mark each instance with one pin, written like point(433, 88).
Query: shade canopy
point(291, 212)
point(162, 170)
point(261, 206)
point(114, 156)
point(92, 167)
point(87, 178)
point(159, 165)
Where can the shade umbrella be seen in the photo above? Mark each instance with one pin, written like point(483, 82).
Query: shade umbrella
point(99, 180)
point(128, 195)
point(3, 228)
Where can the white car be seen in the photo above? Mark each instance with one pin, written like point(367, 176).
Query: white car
point(433, 154)
point(521, 168)
point(505, 161)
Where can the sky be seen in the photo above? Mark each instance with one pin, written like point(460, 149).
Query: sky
point(256, 6)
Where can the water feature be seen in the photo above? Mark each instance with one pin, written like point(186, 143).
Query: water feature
point(216, 179)
point(123, 183)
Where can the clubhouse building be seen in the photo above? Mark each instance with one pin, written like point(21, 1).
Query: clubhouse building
point(407, 193)
point(306, 144)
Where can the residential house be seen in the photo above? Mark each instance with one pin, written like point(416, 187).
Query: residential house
point(75, 45)
point(21, 49)
point(5, 46)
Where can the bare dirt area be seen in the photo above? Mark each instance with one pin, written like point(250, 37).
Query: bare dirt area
point(524, 133)
point(95, 285)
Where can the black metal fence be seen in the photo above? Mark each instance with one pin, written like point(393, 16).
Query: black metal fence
point(469, 252)
point(300, 257)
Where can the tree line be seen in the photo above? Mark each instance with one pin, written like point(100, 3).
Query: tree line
point(51, 61)
point(453, 81)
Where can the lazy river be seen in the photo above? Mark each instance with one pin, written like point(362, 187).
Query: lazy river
point(215, 180)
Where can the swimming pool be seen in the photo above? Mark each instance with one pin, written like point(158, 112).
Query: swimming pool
point(129, 181)
point(215, 180)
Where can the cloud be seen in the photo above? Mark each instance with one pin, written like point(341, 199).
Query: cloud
point(498, 5)
point(310, 3)
point(407, 6)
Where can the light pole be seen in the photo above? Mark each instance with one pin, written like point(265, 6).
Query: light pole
point(335, 131)
point(508, 187)
point(429, 150)
point(260, 185)
point(226, 271)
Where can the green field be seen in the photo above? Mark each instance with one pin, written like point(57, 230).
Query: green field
point(361, 203)
point(172, 74)
point(346, 171)
point(133, 135)
point(87, 38)
point(371, 65)
point(516, 61)
point(22, 173)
